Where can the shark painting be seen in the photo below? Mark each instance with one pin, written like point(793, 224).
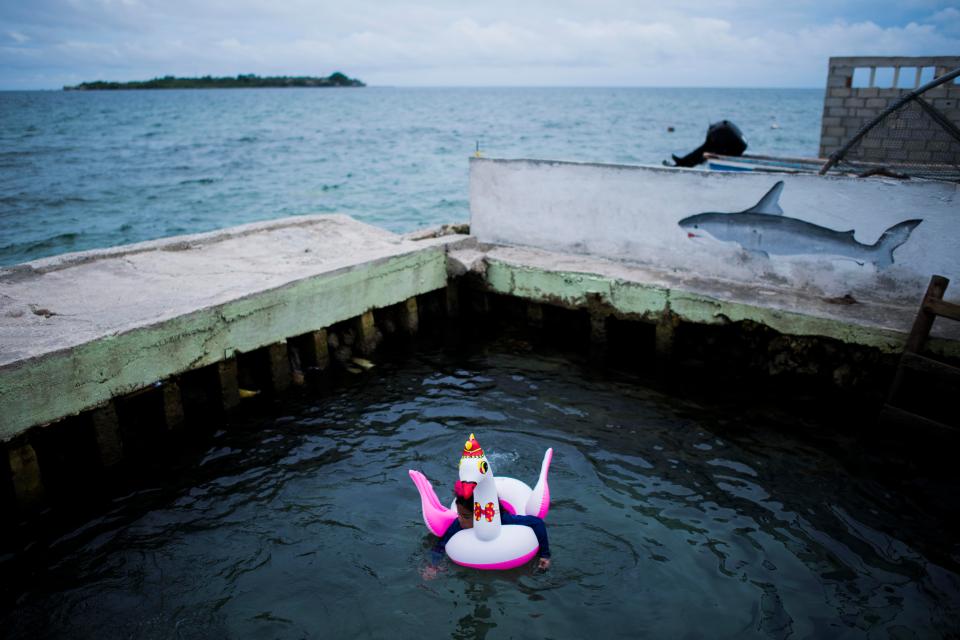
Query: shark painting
point(764, 230)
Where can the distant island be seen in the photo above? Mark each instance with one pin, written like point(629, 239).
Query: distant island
point(208, 82)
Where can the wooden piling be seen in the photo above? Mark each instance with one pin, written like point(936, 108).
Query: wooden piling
point(228, 382)
point(409, 316)
point(279, 366)
point(664, 337)
point(319, 349)
point(25, 474)
point(598, 329)
point(535, 315)
point(367, 335)
point(106, 429)
point(173, 414)
point(453, 299)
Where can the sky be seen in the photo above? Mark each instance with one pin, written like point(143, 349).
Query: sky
point(46, 44)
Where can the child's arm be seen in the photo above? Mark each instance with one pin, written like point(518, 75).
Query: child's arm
point(438, 549)
point(535, 523)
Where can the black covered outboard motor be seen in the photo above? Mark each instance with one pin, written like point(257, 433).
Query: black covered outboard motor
point(723, 138)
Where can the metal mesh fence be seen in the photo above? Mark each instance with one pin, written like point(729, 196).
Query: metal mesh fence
point(911, 141)
point(912, 137)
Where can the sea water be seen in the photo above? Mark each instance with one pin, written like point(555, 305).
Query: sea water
point(83, 170)
point(672, 516)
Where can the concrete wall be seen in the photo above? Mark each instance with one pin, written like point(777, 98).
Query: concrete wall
point(916, 137)
point(80, 329)
point(632, 214)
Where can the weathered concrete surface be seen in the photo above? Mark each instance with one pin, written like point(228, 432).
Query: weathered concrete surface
point(79, 329)
point(632, 213)
point(649, 294)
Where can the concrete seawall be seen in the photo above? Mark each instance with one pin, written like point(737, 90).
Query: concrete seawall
point(80, 330)
point(84, 334)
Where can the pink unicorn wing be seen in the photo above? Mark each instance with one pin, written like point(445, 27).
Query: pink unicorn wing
point(538, 504)
point(437, 517)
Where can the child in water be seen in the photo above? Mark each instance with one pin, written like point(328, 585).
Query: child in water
point(464, 494)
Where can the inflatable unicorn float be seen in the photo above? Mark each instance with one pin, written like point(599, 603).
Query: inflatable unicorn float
point(489, 544)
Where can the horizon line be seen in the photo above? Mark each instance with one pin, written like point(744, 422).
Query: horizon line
point(428, 86)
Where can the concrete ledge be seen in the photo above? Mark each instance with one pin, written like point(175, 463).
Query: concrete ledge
point(608, 287)
point(78, 330)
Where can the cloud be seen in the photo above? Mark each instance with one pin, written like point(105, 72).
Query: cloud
point(947, 20)
point(564, 42)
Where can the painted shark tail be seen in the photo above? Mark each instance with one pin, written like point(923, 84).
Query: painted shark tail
point(891, 239)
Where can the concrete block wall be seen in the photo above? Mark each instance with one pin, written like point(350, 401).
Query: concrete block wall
point(915, 136)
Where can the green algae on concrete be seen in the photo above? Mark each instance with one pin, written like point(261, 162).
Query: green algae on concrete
point(48, 386)
point(643, 296)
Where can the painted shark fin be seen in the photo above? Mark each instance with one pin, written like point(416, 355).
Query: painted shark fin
point(891, 239)
point(770, 203)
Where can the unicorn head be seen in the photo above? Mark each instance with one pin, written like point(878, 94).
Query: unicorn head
point(474, 467)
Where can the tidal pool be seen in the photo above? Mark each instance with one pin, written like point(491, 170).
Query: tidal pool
point(670, 518)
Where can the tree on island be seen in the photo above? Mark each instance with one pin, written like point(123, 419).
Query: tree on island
point(248, 80)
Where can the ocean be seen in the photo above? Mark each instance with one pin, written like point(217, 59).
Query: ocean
point(84, 170)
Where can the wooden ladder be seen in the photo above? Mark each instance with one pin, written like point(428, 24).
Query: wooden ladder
point(931, 306)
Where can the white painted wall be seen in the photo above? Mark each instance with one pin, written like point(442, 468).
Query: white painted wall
point(631, 213)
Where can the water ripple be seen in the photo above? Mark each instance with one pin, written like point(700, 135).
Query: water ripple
point(305, 524)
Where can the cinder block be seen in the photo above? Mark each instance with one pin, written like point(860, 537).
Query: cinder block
point(839, 132)
point(854, 102)
point(853, 124)
point(25, 473)
point(920, 156)
point(829, 141)
point(837, 112)
point(876, 103)
point(831, 121)
point(870, 92)
point(106, 429)
point(840, 92)
point(833, 102)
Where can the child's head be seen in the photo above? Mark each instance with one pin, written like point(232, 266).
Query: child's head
point(464, 493)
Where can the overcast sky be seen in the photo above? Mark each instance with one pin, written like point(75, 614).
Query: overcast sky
point(45, 44)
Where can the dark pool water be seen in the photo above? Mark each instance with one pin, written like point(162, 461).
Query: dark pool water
point(670, 518)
